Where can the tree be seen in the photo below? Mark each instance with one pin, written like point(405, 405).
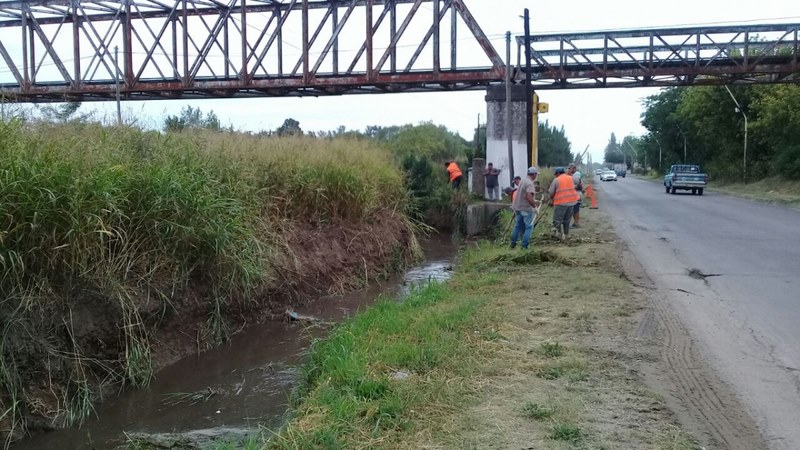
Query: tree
point(426, 139)
point(478, 144)
point(290, 127)
point(554, 147)
point(634, 150)
point(613, 152)
point(661, 120)
point(192, 118)
point(63, 113)
point(776, 126)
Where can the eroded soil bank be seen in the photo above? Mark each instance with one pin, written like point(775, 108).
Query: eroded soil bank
point(316, 262)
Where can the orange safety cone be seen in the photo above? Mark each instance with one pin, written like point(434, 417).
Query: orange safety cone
point(592, 195)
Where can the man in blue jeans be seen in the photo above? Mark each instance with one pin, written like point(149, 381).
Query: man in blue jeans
point(524, 206)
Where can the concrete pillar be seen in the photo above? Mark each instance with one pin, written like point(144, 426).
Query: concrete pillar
point(478, 181)
point(497, 135)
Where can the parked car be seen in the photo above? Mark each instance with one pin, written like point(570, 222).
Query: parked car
point(598, 171)
point(608, 175)
point(686, 177)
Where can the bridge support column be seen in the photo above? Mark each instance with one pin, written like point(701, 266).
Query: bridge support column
point(497, 131)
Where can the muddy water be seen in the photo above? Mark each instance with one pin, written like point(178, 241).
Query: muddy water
point(230, 391)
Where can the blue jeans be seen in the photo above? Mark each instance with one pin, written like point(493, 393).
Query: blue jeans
point(523, 224)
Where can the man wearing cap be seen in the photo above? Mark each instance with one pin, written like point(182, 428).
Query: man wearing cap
point(564, 197)
point(524, 206)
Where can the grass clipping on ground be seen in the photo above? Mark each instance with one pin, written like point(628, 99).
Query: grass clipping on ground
point(519, 350)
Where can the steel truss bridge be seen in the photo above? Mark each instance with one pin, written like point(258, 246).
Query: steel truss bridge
point(79, 50)
point(754, 54)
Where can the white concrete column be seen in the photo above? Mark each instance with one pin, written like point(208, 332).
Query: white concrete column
point(497, 135)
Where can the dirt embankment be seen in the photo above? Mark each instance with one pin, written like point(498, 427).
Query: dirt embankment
point(65, 356)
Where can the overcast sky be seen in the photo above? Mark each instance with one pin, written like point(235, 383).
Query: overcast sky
point(588, 116)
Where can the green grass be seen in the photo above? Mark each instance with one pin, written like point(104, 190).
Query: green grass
point(536, 411)
point(124, 219)
point(551, 349)
point(773, 189)
point(573, 369)
point(565, 432)
point(474, 380)
point(348, 398)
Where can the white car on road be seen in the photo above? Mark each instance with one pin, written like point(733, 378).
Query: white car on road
point(608, 175)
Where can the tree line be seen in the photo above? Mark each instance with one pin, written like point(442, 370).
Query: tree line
point(706, 125)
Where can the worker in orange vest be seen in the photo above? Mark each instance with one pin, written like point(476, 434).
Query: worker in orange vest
point(513, 189)
point(563, 197)
point(455, 174)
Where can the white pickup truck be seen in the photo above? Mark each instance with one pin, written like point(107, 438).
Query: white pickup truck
point(686, 177)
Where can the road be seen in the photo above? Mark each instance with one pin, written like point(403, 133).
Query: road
point(745, 313)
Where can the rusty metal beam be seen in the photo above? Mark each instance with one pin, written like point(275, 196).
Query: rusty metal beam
point(194, 59)
point(664, 57)
point(182, 46)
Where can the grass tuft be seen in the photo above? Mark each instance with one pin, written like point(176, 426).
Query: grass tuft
point(537, 412)
point(565, 432)
point(551, 349)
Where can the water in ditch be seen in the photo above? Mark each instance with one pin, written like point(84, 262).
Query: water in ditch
point(230, 391)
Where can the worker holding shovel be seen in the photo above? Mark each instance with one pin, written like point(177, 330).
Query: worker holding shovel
point(525, 207)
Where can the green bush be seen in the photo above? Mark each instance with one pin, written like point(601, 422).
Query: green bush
point(787, 162)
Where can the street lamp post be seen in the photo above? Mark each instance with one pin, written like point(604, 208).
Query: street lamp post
point(659, 155)
point(744, 156)
point(684, 144)
point(635, 154)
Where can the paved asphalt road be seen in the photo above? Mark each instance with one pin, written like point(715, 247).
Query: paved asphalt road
point(746, 314)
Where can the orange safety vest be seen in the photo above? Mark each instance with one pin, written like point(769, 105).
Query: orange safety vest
point(454, 171)
point(565, 191)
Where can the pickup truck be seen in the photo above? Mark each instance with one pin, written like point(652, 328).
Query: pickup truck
point(686, 177)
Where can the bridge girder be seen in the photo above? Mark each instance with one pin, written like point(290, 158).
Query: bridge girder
point(64, 50)
point(748, 54)
point(213, 48)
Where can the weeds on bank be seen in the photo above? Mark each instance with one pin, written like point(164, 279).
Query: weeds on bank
point(351, 395)
point(124, 218)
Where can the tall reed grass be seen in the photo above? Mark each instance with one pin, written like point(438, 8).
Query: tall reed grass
point(125, 217)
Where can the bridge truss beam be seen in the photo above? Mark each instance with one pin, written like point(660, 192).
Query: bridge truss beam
point(756, 54)
point(66, 50)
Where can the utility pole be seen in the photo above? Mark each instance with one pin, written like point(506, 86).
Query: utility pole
point(659, 155)
point(684, 144)
point(744, 156)
point(509, 122)
point(529, 99)
point(116, 81)
point(478, 136)
point(636, 154)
